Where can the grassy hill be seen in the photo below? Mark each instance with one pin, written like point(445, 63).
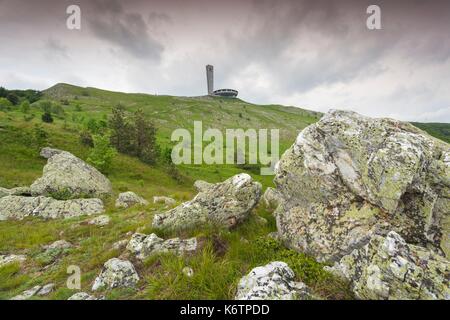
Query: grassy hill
point(226, 255)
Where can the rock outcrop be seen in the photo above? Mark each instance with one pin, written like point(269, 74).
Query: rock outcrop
point(226, 204)
point(35, 291)
point(389, 268)
point(274, 281)
point(129, 199)
point(144, 246)
point(201, 185)
point(349, 177)
point(65, 174)
point(18, 191)
point(116, 273)
point(19, 207)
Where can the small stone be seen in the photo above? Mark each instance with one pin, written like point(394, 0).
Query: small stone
point(100, 221)
point(46, 289)
point(11, 258)
point(119, 245)
point(82, 296)
point(166, 200)
point(129, 199)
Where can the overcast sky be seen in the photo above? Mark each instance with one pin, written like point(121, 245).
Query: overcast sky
point(313, 54)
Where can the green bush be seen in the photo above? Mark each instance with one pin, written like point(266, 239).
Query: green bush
point(102, 154)
point(47, 117)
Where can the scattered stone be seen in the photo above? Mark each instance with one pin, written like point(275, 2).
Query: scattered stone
point(188, 272)
point(46, 289)
point(53, 251)
point(166, 200)
point(274, 281)
point(227, 204)
point(100, 221)
point(389, 268)
point(65, 174)
point(201, 185)
point(19, 207)
point(11, 258)
point(116, 273)
point(129, 199)
point(27, 294)
point(144, 246)
point(271, 198)
point(82, 296)
point(348, 177)
point(59, 244)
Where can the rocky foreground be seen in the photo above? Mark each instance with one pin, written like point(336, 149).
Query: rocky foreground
point(370, 197)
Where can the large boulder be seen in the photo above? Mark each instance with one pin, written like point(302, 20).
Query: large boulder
point(348, 177)
point(271, 198)
point(116, 273)
point(389, 268)
point(129, 199)
point(226, 204)
point(18, 207)
point(64, 174)
point(144, 246)
point(274, 281)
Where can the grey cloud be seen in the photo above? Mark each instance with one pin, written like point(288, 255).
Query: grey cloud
point(56, 47)
point(128, 31)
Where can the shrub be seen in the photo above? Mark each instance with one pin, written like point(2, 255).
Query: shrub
point(5, 104)
point(47, 117)
point(25, 106)
point(39, 137)
point(102, 154)
point(86, 138)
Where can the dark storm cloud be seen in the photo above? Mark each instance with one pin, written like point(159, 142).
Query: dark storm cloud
point(127, 30)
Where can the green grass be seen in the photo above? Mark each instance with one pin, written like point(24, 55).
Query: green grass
point(225, 256)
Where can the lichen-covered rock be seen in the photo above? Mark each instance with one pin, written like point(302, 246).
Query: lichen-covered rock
point(11, 258)
point(129, 199)
point(59, 244)
point(100, 221)
point(226, 204)
point(201, 185)
point(82, 296)
point(53, 251)
point(271, 198)
point(45, 290)
point(18, 191)
point(116, 273)
point(274, 281)
point(27, 294)
point(144, 246)
point(389, 268)
point(18, 207)
point(68, 176)
point(348, 177)
point(48, 152)
point(166, 200)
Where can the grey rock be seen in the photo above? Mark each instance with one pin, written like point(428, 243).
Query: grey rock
point(274, 281)
point(82, 296)
point(116, 273)
point(128, 199)
point(11, 258)
point(166, 200)
point(100, 221)
point(271, 198)
point(119, 245)
point(67, 174)
point(348, 177)
point(19, 207)
point(225, 204)
point(45, 290)
point(48, 152)
point(18, 191)
point(389, 268)
point(27, 294)
point(59, 244)
point(144, 246)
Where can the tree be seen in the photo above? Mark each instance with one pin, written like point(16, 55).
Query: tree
point(25, 106)
point(13, 98)
point(3, 92)
point(47, 117)
point(120, 130)
point(145, 146)
point(102, 154)
point(4, 103)
point(46, 106)
point(86, 138)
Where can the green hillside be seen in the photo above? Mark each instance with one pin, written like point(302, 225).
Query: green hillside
point(226, 255)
